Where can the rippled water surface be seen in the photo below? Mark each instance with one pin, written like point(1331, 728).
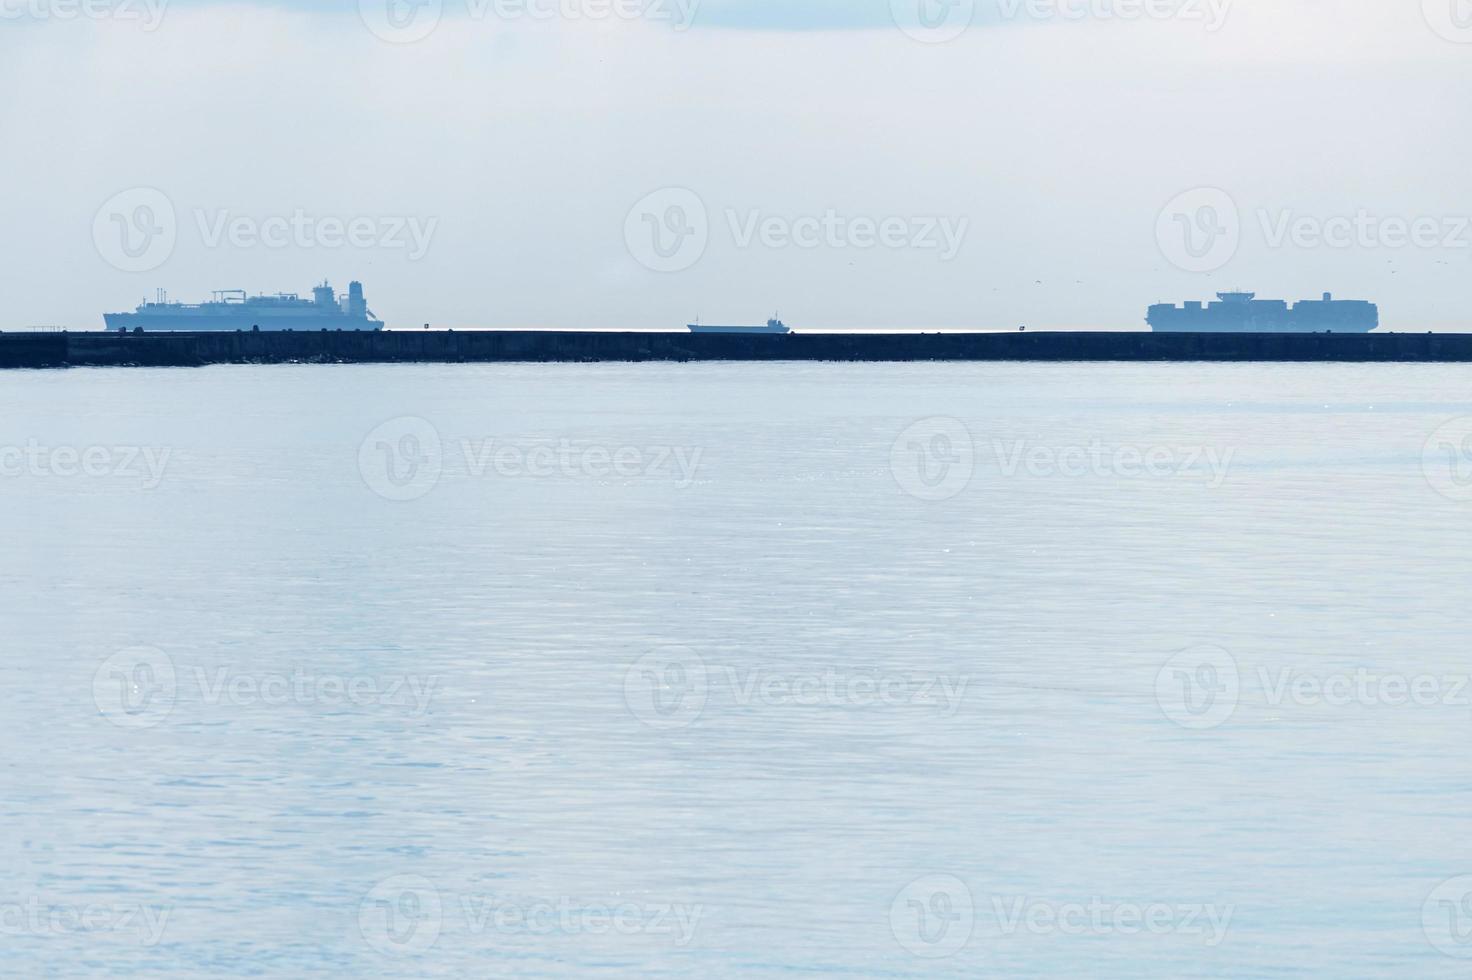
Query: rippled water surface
point(717, 670)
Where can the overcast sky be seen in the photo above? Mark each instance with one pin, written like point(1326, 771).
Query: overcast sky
point(639, 163)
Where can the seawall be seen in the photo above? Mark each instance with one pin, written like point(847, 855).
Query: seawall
point(86, 349)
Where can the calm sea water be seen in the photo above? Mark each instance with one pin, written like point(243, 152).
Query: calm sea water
point(717, 670)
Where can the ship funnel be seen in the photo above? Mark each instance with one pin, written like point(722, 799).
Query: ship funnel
point(355, 304)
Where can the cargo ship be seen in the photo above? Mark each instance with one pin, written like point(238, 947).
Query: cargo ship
point(1239, 312)
point(232, 309)
point(774, 326)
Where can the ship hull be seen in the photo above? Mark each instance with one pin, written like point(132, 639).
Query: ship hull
point(1217, 327)
point(226, 322)
point(764, 331)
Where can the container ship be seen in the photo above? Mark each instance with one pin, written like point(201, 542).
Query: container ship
point(1245, 313)
point(232, 309)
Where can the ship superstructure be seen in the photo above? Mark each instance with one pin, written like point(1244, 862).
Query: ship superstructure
point(1239, 312)
point(232, 309)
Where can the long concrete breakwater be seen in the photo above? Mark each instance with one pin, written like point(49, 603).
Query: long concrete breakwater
point(96, 349)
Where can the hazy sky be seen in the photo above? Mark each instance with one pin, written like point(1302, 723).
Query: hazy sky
point(638, 163)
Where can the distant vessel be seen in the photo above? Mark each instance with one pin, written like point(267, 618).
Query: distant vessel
point(232, 309)
point(1245, 313)
point(773, 326)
